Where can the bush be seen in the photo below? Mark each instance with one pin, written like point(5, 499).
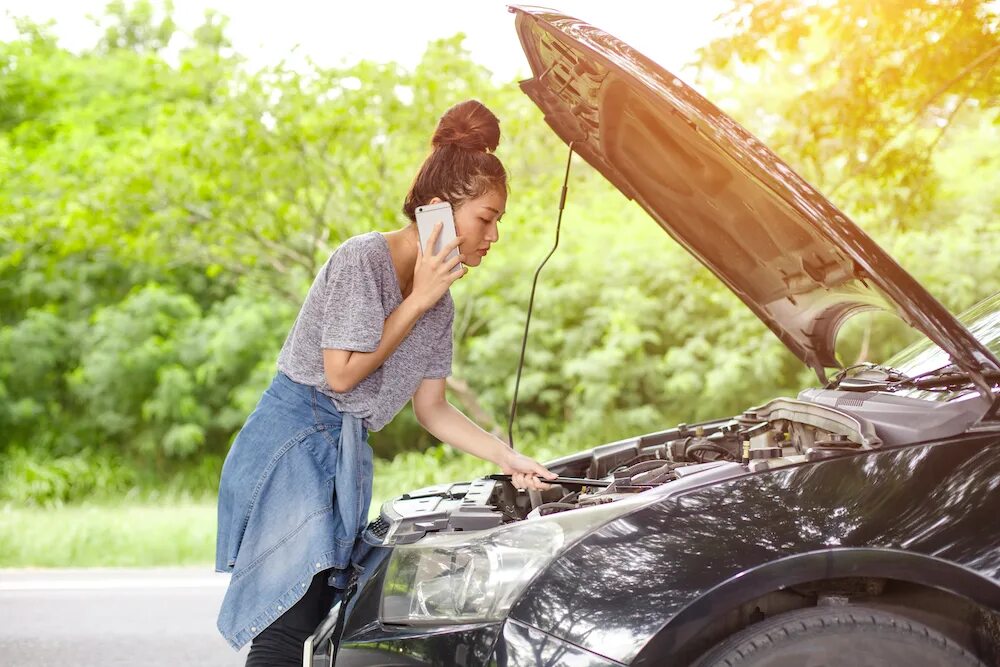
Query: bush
point(28, 480)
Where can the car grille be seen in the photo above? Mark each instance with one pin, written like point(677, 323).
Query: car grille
point(379, 527)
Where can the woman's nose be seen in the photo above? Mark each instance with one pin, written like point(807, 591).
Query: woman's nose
point(493, 233)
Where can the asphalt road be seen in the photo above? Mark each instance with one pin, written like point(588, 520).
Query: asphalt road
point(109, 617)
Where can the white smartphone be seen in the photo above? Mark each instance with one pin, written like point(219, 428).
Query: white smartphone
point(427, 217)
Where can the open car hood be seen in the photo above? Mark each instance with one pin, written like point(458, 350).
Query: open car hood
point(796, 260)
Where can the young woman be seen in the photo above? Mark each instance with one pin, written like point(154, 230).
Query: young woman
point(374, 332)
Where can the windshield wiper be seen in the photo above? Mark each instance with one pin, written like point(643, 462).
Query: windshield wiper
point(887, 377)
point(946, 378)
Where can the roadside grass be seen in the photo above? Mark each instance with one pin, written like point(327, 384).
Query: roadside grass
point(107, 535)
point(151, 527)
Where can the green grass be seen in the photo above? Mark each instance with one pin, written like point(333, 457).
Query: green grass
point(163, 526)
point(107, 535)
point(170, 530)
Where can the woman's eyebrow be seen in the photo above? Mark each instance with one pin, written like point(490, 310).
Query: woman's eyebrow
point(495, 211)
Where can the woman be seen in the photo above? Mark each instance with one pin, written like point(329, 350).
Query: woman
point(375, 331)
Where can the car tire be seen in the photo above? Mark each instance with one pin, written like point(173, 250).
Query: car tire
point(852, 635)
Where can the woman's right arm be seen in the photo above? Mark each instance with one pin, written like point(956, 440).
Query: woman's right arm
point(432, 276)
point(344, 369)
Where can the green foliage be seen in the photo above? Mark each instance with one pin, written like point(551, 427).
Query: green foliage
point(134, 27)
point(161, 219)
point(860, 94)
point(26, 479)
point(108, 535)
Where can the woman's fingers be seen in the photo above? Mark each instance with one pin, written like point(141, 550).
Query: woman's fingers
point(517, 479)
point(451, 263)
point(448, 247)
point(432, 239)
point(531, 482)
point(538, 481)
point(523, 480)
point(520, 480)
point(544, 472)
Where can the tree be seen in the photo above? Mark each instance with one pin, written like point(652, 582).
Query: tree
point(162, 218)
point(868, 90)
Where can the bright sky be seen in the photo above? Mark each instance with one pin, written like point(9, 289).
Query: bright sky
point(335, 33)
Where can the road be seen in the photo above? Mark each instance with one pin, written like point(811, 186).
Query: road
point(110, 617)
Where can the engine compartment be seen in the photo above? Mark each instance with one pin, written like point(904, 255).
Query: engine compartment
point(782, 432)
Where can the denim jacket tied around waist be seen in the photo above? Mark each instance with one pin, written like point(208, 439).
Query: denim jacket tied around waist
point(293, 499)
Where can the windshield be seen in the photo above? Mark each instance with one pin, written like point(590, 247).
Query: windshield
point(982, 320)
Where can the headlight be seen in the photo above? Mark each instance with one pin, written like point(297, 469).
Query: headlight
point(463, 578)
point(454, 578)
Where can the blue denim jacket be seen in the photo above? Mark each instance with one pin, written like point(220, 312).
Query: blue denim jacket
point(293, 498)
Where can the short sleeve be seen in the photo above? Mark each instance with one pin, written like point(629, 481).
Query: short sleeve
point(353, 316)
point(440, 356)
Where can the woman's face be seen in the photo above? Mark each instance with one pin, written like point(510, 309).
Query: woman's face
point(476, 222)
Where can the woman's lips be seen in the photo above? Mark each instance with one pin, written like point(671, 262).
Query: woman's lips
point(482, 253)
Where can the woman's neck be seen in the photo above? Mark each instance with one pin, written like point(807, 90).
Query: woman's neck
point(404, 244)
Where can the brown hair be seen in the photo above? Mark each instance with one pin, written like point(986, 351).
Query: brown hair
point(461, 165)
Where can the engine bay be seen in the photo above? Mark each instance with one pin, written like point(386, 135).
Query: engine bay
point(780, 433)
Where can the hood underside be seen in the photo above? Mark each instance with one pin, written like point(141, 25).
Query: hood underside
point(796, 260)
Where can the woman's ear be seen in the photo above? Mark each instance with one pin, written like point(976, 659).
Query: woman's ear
point(435, 200)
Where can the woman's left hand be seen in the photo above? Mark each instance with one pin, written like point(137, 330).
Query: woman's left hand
point(524, 472)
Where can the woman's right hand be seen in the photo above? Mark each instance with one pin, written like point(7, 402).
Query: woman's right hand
point(432, 274)
point(525, 472)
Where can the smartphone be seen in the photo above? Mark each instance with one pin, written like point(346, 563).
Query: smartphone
point(427, 217)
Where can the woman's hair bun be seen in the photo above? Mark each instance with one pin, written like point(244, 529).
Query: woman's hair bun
point(468, 125)
point(462, 165)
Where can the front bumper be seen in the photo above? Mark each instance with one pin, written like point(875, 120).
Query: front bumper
point(509, 644)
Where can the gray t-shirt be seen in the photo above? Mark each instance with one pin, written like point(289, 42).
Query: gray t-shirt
point(345, 309)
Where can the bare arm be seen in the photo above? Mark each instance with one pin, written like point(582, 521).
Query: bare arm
point(446, 423)
point(344, 369)
point(432, 276)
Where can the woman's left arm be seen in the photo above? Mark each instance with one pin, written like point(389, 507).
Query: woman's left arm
point(446, 423)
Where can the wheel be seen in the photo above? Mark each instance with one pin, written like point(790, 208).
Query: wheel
point(852, 636)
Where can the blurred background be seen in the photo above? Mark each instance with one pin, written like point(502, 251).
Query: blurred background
point(173, 175)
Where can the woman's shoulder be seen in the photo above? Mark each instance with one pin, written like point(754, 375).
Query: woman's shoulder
point(369, 244)
point(359, 254)
point(366, 249)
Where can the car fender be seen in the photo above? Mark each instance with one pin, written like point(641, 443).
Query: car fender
point(824, 564)
point(930, 506)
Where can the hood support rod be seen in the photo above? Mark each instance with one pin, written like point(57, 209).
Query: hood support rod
point(531, 301)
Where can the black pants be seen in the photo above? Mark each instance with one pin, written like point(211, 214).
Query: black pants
point(280, 643)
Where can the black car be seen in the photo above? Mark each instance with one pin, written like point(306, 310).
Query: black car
point(855, 524)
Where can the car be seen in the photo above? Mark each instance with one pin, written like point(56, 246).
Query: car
point(855, 523)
